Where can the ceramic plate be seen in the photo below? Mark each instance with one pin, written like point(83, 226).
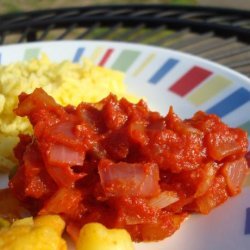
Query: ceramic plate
point(166, 77)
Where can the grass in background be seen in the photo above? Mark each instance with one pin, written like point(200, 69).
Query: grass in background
point(8, 6)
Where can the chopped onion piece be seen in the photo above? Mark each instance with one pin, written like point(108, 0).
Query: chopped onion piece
point(235, 173)
point(221, 145)
point(164, 199)
point(207, 178)
point(126, 179)
point(39, 99)
point(62, 155)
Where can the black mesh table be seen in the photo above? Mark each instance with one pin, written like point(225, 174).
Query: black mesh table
point(220, 35)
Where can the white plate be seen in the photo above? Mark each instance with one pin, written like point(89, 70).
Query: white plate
point(166, 77)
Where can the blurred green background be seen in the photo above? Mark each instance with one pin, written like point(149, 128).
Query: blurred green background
point(7, 6)
point(21, 5)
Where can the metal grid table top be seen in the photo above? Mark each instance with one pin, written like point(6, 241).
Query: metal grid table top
point(221, 35)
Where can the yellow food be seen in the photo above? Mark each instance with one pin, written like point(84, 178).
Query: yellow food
point(67, 82)
point(42, 233)
point(95, 236)
point(45, 233)
point(4, 223)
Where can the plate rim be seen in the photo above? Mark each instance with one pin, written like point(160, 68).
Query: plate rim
point(145, 46)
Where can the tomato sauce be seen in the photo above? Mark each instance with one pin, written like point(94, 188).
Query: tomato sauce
point(125, 166)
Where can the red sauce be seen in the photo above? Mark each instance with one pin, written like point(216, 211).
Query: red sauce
point(125, 166)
